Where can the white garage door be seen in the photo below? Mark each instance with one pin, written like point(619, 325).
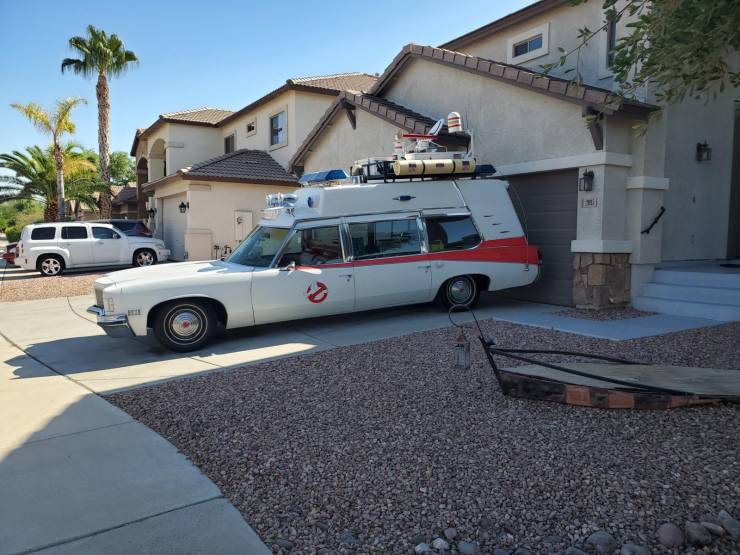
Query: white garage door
point(550, 203)
point(173, 226)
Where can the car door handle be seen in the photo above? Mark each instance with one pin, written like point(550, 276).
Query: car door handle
point(348, 276)
point(424, 266)
point(100, 242)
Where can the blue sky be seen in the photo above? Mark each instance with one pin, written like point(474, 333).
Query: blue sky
point(223, 54)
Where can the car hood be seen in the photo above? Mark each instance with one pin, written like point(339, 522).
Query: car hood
point(174, 271)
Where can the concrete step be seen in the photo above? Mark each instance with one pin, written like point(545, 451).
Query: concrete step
point(711, 311)
point(729, 278)
point(714, 295)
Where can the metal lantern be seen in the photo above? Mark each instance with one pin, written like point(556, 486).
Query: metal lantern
point(462, 352)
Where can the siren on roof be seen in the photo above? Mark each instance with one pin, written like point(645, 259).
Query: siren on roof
point(454, 122)
point(323, 178)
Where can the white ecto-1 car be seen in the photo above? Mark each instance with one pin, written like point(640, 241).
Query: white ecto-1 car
point(330, 250)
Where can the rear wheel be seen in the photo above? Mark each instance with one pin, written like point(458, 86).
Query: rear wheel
point(50, 265)
point(144, 257)
point(185, 325)
point(459, 291)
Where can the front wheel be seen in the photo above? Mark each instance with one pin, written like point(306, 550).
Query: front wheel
point(184, 326)
point(459, 291)
point(144, 257)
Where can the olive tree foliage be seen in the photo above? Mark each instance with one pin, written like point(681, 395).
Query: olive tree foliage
point(682, 49)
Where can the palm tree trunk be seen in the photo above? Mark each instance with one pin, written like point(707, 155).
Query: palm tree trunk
point(59, 165)
point(50, 210)
point(103, 94)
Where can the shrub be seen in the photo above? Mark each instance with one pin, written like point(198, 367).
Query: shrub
point(13, 234)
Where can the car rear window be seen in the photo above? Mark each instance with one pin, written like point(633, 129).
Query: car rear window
point(451, 233)
point(74, 232)
point(43, 233)
point(125, 226)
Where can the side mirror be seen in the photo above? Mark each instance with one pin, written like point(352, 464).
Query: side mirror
point(289, 268)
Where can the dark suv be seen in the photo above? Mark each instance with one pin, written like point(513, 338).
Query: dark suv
point(132, 228)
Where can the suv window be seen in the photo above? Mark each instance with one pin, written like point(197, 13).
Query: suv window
point(43, 233)
point(125, 226)
point(451, 233)
point(74, 232)
point(104, 233)
point(385, 239)
point(313, 247)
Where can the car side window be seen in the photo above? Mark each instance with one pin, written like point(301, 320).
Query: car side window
point(71, 232)
point(385, 239)
point(313, 247)
point(43, 233)
point(104, 233)
point(451, 233)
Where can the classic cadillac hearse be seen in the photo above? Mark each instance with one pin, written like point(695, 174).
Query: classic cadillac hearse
point(402, 231)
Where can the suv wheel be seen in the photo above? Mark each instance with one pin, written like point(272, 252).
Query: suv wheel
point(144, 257)
point(459, 291)
point(50, 265)
point(184, 326)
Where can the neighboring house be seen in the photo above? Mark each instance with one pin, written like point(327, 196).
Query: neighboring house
point(125, 203)
point(179, 142)
point(548, 136)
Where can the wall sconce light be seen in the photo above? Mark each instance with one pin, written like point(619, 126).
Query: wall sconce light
point(152, 212)
point(586, 181)
point(703, 152)
point(184, 207)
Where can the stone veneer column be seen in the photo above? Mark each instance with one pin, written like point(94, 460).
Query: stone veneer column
point(601, 280)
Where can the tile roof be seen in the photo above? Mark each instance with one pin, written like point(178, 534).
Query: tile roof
point(209, 116)
point(597, 98)
point(383, 108)
point(124, 195)
point(356, 81)
point(244, 166)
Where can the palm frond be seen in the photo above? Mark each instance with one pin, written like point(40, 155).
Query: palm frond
point(39, 117)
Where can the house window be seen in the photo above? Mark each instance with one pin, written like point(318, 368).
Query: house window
point(277, 129)
point(251, 127)
point(527, 46)
point(229, 144)
point(611, 42)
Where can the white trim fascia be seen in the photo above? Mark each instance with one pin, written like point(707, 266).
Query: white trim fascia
point(601, 246)
point(599, 158)
point(173, 145)
point(647, 182)
point(543, 30)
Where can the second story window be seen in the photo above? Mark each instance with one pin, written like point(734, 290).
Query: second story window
point(527, 46)
point(277, 129)
point(251, 127)
point(229, 144)
point(611, 42)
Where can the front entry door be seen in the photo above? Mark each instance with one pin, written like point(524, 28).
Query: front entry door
point(107, 245)
point(390, 267)
point(311, 278)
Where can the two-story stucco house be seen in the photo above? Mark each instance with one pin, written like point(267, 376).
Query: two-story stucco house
point(590, 185)
point(207, 171)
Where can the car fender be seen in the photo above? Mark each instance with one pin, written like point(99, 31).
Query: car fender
point(35, 252)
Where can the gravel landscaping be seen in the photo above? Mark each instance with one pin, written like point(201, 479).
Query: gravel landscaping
point(604, 314)
point(384, 447)
point(27, 288)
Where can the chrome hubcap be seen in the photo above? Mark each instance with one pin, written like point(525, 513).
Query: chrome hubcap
point(51, 266)
point(144, 259)
point(461, 291)
point(185, 324)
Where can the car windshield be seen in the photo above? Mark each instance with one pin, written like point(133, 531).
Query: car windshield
point(260, 247)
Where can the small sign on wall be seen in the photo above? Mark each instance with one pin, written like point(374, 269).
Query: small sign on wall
point(591, 202)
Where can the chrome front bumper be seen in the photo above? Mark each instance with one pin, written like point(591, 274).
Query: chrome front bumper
point(114, 325)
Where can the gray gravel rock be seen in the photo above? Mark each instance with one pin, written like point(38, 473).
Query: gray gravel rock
point(574, 551)
point(602, 542)
point(697, 535)
point(633, 549)
point(450, 533)
point(283, 543)
point(713, 527)
point(552, 540)
point(440, 545)
point(348, 538)
point(731, 525)
point(422, 548)
point(670, 535)
point(501, 551)
point(467, 548)
point(522, 551)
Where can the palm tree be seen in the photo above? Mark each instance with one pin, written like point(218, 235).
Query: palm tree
point(56, 124)
point(35, 177)
point(104, 55)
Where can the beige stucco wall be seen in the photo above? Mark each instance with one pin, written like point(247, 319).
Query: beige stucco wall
point(184, 145)
point(303, 110)
point(340, 145)
point(211, 217)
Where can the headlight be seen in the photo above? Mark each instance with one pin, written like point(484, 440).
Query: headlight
point(109, 306)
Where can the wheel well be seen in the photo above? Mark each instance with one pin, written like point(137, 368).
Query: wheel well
point(47, 255)
point(481, 280)
point(145, 249)
point(219, 308)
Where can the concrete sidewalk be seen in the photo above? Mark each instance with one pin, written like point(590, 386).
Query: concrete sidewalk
point(78, 475)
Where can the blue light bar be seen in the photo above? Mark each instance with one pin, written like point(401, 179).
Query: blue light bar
point(326, 175)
